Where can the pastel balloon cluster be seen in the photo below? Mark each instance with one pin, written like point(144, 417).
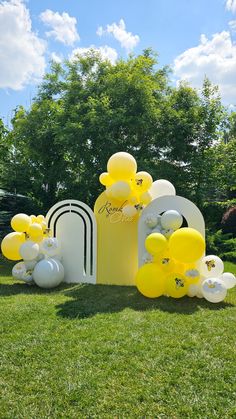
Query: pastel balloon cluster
point(39, 253)
point(175, 265)
point(136, 189)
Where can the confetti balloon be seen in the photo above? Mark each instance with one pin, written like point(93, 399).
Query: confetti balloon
point(211, 266)
point(214, 290)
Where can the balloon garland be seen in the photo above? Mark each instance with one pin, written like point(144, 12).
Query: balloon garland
point(174, 263)
point(32, 242)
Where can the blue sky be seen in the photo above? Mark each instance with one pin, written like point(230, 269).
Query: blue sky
point(196, 37)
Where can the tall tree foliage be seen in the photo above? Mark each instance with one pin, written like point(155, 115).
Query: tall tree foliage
point(88, 109)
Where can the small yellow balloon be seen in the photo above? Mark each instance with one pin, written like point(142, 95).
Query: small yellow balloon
point(44, 225)
point(11, 244)
point(145, 198)
point(156, 243)
point(150, 281)
point(20, 223)
point(105, 179)
point(122, 166)
point(176, 285)
point(186, 245)
point(134, 198)
point(33, 218)
point(142, 181)
point(35, 231)
point(40, 219)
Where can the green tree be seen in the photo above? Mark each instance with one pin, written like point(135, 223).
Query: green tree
point(88, 109)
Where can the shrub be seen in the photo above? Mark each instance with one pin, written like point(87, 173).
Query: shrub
point(222, 245)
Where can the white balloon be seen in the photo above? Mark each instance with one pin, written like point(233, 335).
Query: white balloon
point(171, 220)
point(18, 270)
point(192, 290)
point(40, 256)
point(167, 233)
point(211, 266)
point(151, 220)
point(48, 273)
point(214, 290)
point(49, 246)
point(129, 211)
point(30, 264)
point(28, 277)
point(161, 187)
point(29, 250)
point(228, 279)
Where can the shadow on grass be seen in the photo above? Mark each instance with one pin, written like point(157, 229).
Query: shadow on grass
point(8, 290)
point(89, 300)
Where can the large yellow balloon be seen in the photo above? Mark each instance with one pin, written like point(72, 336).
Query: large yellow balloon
point(186, 245)
point(105, 179)
point(156, 243)
point(121, 166)
point(20, 222)
point(11, 245)
point(150, 281)
point(36, 232)
point(142, 181)
point(176, 285)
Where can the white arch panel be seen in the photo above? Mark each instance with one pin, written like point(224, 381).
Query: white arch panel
point(74, 225)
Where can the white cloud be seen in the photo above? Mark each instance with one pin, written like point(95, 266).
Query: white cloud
point(214, 58)
point(232, 25)
point(21, 51)
point(106, 52)
point(231, 5)
point(126, 39)
point(63, 26)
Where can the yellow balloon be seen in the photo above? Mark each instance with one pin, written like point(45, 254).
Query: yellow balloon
point(122, 166)
point(33, 218)
point(142, 181)
point(120, 190)
point(176, 285)
point(156, 243)
point(35, 231)
point(44, 225)
point(134, 198)
point(20, 222)
point(150, 281)
point(105, 179)
point(164, 261)
point(11, 245)
point(40, 219)
point(145, 198)
point(186, 245)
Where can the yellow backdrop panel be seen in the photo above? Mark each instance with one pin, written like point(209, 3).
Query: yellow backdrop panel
point(117, 261)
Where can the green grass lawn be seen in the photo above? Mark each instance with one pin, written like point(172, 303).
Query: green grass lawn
point(107, 352)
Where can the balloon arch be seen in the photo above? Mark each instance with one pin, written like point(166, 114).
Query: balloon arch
point(135, 236)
